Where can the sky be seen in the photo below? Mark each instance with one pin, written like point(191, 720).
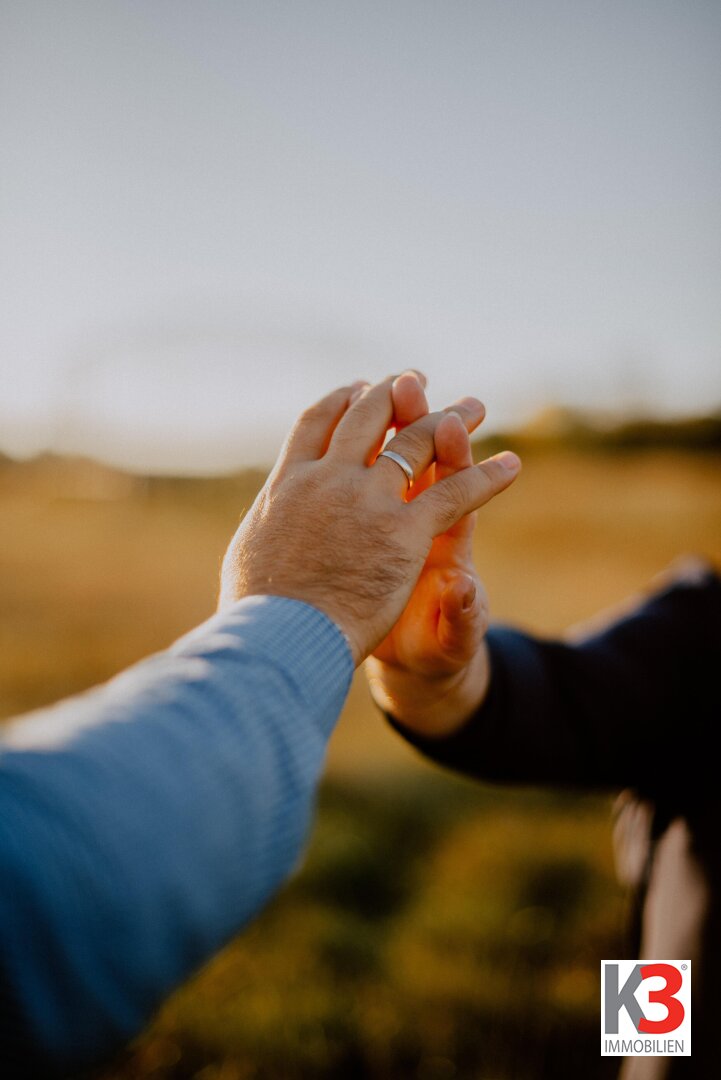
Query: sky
point(212, 213)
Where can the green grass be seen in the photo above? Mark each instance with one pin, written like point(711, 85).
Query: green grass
point(436, 929)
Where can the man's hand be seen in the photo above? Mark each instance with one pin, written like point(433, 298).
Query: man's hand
point(431, 672)
point(332, 526)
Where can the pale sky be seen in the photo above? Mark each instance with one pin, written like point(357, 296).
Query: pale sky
point(210, 213)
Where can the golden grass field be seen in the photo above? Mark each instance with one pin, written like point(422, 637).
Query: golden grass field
point(438, 929)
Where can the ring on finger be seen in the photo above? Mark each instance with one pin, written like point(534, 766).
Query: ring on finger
point(401, 461)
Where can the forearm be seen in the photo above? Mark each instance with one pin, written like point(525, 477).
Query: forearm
point(516, 734)
point(625, 706)
point(143, 824)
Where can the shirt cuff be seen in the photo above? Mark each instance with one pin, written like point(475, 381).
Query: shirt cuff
point(311, 649)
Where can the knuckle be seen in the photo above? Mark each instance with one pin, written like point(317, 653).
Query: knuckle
point(308, 415)
point(415, 442)
point(362, 412)
point(317, 409)
point(492, 476)
point(455, 491)
point(364, 406)
point(447, 511)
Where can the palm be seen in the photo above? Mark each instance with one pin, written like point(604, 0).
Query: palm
point(419, 642)
point(414, 642)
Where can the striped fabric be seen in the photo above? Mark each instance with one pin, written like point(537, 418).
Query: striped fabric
point(143, 823)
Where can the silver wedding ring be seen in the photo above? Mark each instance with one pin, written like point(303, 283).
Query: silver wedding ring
point(400, 460)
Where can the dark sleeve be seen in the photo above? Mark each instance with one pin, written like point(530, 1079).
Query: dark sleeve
point(631, 705)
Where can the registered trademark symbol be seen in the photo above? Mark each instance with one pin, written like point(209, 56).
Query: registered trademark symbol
point(683, 967)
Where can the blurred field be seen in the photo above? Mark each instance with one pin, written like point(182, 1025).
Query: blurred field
point(438, 929)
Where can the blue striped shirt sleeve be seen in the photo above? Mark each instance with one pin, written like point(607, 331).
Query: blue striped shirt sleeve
point(144, 822)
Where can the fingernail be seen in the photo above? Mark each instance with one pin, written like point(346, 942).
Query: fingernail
point(417, 375)
point(508, 460)
point(474, 411)
point(469, 597)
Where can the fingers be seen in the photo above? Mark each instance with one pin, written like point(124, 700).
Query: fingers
point(453, 453)
point(462, 621)
point(309, 438)
point(442, 505)
point(453, 447)
point(361, 431)
point(409, 399)
point(471, 411)
point(416, 443)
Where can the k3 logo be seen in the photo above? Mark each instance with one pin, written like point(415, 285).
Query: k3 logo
point(646, 1008)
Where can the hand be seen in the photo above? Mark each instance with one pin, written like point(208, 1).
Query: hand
point(431, 672)
point(331, 525)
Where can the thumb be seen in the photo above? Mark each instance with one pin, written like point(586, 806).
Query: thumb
point(463, 617)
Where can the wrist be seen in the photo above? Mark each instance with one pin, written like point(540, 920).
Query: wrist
point(227, 599)
point(431, 706)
